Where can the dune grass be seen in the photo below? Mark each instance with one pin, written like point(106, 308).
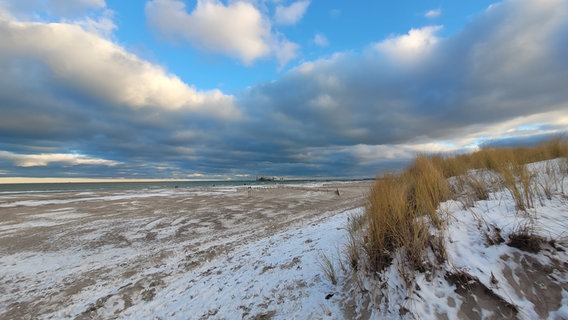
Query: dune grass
point(328, 268)
point(402, 209)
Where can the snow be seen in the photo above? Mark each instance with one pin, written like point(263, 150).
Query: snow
point(536, 284)
point(37, 203)
point(281, 276)
point(183, 255)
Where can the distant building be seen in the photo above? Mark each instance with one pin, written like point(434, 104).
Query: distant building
point(265, 178)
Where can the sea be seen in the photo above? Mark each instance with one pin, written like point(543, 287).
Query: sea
point(22, 188)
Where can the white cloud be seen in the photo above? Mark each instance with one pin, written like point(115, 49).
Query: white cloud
point(411, 46)
point(321, 40)
point(105, 70)
point(287, 50)
point(290, 15)
point(541, 123)
point(45, 159)
point(371, 153)
point(103, 24)
point(237, 29)
point(434, 13)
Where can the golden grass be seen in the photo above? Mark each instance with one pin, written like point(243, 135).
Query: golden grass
point(402, 209)
point(387, 211)
point(428, 187)
point(328, 268)
point(517, 180)
point(352, 251)
point(395, 209)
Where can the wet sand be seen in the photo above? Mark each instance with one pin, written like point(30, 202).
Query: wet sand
point(71, 254)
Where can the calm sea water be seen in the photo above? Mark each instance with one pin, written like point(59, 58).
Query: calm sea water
point(10, 189)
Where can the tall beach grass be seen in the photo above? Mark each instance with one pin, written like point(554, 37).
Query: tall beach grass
point(402, 215)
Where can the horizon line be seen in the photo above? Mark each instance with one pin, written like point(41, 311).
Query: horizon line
point(38, 180)
point(31, 180)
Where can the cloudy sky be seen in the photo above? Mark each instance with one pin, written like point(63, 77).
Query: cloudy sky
point(238, 88)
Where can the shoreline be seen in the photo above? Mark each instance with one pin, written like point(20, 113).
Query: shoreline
point(53, 180)
point(127, 186)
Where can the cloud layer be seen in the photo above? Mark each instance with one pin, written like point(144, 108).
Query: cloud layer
point(434, 13)
point(73, 102)
point(502, 72)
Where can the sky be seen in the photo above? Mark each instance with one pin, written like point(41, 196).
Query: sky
point(210, 89)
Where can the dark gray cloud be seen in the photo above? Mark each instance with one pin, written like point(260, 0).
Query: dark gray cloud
point(501, 79)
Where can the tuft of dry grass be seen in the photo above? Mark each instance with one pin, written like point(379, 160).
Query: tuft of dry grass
point(450, 166)
point(401, 209)
point(517, 180)
point(427, 188)
point(328, 268)
point(352, 251)
point(549, 183)
point(563, 166)
point(526, 240)
point(387, 213)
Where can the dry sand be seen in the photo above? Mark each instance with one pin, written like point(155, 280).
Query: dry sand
point(57, 248)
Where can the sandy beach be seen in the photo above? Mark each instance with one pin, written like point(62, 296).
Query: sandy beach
point(123, 254)
point(259, 252)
